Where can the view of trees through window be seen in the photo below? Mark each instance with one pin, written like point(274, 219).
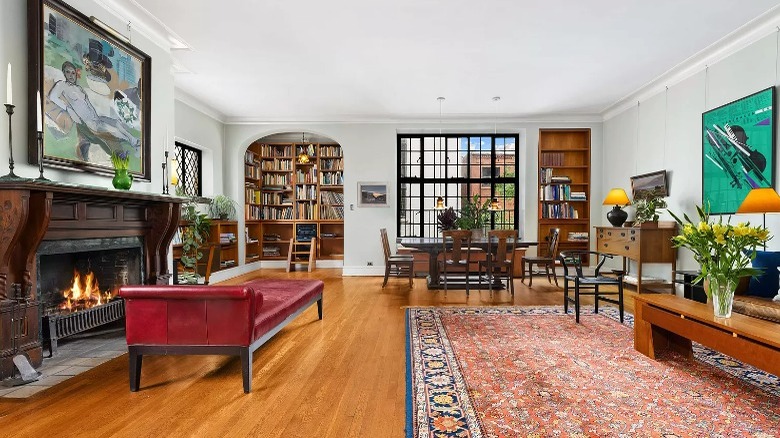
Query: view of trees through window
point(455, 167)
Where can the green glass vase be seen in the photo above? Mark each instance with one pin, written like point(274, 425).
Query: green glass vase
point(122, 179)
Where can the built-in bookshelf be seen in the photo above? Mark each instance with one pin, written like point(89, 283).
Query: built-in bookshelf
point(288, 184)
point(564, 187)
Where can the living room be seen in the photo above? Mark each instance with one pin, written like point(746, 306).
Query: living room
point(643, 113)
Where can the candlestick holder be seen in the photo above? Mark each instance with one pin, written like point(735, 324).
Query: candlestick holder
point(39, 135)
point(9, 109)
point(165, 174)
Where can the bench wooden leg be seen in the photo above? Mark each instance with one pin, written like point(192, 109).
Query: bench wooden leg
point(135, 368)
point(319, 308)
point(246, 369)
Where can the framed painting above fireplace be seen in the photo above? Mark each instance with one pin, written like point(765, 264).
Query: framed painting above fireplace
point(95, 90)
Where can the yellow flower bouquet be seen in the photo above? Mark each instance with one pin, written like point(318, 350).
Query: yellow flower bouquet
point(724, 252)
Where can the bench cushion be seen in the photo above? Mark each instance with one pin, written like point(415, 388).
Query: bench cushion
point(757, 307)
point(281, 298)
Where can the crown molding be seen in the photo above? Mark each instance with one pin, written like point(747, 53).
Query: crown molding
point(197, 105)
point(747, 34)
point(143, 22)
point(427, 119)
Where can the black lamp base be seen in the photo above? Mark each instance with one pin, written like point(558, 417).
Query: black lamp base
point(617, 217)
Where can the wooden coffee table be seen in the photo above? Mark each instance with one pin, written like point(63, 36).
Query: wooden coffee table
point(670, 322)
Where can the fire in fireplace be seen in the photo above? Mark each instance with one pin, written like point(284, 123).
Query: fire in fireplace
point(84, 293)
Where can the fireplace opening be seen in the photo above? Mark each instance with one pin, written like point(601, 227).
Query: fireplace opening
point(78, 283)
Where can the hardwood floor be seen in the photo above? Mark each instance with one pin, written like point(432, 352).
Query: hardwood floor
point(339, 377)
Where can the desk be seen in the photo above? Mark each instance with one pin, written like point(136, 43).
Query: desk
point(433, 246)
point(644, 245)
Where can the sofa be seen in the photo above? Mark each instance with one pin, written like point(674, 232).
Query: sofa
point(222, 320)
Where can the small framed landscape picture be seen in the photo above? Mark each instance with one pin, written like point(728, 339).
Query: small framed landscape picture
point(373, 194)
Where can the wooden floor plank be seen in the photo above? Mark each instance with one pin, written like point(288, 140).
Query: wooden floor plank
point(343, 376)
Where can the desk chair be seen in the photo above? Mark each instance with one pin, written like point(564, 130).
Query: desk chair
point(396, 264)
point(548, 261)
point(588, 285)
point(500, 257)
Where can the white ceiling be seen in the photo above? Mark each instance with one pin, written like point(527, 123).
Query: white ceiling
point(356, 59)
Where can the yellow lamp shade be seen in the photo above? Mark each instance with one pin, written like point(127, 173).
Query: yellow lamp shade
point(174, 171)
point(439, 203)
point(760, 200)
point(616, 197)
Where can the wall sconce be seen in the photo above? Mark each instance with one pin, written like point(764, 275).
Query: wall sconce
point(617, 197)
point(439, 203)
point(174, 172)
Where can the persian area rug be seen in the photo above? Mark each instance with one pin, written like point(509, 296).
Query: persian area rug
point(532, 371)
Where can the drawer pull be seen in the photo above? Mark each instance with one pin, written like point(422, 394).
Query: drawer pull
point(626, 247)
point(609, 233)
point(622, 234)
point(633, 238)
point(606, 245)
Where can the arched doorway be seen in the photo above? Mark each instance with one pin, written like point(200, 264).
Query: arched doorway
point(294, 190)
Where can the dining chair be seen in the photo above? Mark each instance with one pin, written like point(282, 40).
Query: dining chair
point(396, 264)
point(456, 257)
point(588, 284)
point(500, 257)
point(548, 261)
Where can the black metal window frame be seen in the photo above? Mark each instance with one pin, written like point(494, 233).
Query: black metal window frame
point(189, 170)
point(469, 181)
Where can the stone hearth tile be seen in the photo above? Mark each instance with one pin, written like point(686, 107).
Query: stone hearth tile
point(49, 381)
point(26, 391)
point(51, 370)
point(74, 370)
point(4, 390)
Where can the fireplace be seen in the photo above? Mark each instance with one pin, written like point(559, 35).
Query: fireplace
point(78, 282)
point(49, 228)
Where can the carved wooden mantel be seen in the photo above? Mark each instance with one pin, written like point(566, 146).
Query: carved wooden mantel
point(33, 211)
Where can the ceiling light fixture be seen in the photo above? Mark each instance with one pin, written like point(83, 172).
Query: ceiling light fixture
point(496, 99)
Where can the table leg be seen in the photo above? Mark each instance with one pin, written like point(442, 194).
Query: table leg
point(433, 270)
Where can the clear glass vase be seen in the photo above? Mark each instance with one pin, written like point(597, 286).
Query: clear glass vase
point(722, 293)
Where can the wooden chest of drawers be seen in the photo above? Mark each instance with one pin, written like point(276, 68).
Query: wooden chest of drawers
point(644, 245)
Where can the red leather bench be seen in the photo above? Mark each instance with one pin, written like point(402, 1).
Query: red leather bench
point(227, 320)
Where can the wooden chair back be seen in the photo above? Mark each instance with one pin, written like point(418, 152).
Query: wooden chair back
point(461, 245)
point(552, 243)
point(385, 244)
point(505, 241)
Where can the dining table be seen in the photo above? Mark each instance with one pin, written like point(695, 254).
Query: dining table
point(434, 246)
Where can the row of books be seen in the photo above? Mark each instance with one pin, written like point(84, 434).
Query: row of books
point(560, 192)
point(267, 150)
point(578, 236)
point(307, 149)
point(331, 212)
point(276, 179)
point(251, 171)
point(272, 251)
point(546, 177)
point(559, 211)
point(330, 151)
point(272, 236)
point(255, 212)
point(332, 178)
point(331, 197)
point(306, 211)
point(227, 237)
point(285, 164)
point(307, 192)
point(552, 159)
point(308, 176)
point(331, 164)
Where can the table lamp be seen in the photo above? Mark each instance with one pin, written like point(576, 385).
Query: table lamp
point(617, 197)
point(761, 200)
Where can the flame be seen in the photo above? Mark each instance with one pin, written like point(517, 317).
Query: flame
point(84, 293)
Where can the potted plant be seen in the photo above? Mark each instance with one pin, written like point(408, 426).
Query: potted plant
point(647, 209)
point(474, 216)
point(223, 207)
point(194, 235)
point(122, 178)
point(446, 220)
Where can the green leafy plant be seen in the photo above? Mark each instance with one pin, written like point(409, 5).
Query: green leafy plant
point(446, 219)
point(474, 214)
point(647, 209)
point(223, 207)
point(193, 236)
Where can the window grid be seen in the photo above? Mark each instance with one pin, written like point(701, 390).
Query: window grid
point(450, 166)
point(189, 170)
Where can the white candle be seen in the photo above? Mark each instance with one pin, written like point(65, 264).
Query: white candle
point(38, 110)
point(8, 87)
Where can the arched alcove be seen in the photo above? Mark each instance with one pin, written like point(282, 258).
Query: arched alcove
point(294, 190)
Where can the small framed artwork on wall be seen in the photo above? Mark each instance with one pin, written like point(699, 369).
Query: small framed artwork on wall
point(373, 194)
point(738, 150)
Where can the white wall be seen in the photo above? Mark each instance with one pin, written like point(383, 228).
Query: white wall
point(669, 133)
point(203, 132)
point(370, 154)
point(13, 49)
